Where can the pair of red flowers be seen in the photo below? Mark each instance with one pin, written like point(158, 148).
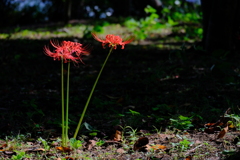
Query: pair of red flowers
point(72, 51)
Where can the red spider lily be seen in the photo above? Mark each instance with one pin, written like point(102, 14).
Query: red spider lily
point(67, 51)
point(112, 40)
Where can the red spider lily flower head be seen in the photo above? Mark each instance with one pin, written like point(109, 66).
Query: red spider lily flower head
point(67, 50)
point(113, 40)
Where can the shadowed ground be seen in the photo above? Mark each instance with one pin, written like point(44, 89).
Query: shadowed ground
point(156, 83)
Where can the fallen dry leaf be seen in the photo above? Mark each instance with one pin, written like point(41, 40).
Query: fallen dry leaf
point(223, 132)
point(3, 146)
point(209, 124)
point(188, 158)
point(39, 149)
point(54, 144)
point(69, 158)
point(210, 130)
point(10, 152)
point(120, 150)
point(91, 144)
point(158, 146)
point(198, 142)
point(117, 136)
point(218, 123)
point(64, 149)
point(141, 144)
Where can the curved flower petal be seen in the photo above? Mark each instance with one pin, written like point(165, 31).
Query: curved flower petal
point(55, 43)
point(112, 40)
point(129, 40)
point(67, 50)
point(97, 38)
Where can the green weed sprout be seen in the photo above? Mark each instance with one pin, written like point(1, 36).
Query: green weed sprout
point(183, 123)
point(66, 52)
point(113, 41)
point(143, 27)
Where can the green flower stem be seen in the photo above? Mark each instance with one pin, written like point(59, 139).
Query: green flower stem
point(67, 104)
point(90, 95)
point(63, 116)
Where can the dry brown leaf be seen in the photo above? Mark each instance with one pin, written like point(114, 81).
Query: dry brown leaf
point(91, 144)
point(188, 158)
point(39, 149)
point(34, 149)
point(54, 144)
point(148, 147)
point(9, 152)
point(209, 124)
point(210, 130)
point(64, 149)
point(218, 123)
point(198, 142)
point(120, 150)
point(158, 146)
point(223, 132)
point(69, 158)
point(3, 146)
point(140, 143)
point(117, 136)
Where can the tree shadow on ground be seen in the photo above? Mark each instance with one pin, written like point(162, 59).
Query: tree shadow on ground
point(157, 84)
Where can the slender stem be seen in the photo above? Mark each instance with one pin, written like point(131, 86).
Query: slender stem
point(62, 94)
point(90, 95)
point(67, 103)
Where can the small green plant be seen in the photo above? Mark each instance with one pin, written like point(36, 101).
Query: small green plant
point(19, 155)
point(92, 131)
point(44, 143)
point(182, 122)
point(98, 28)
point(132, 133)
point(235, 120)
point(142, 28)
point(75, 143)
point(133, 112)
point(183, 145)
point(100, 143)
point(157, 130)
